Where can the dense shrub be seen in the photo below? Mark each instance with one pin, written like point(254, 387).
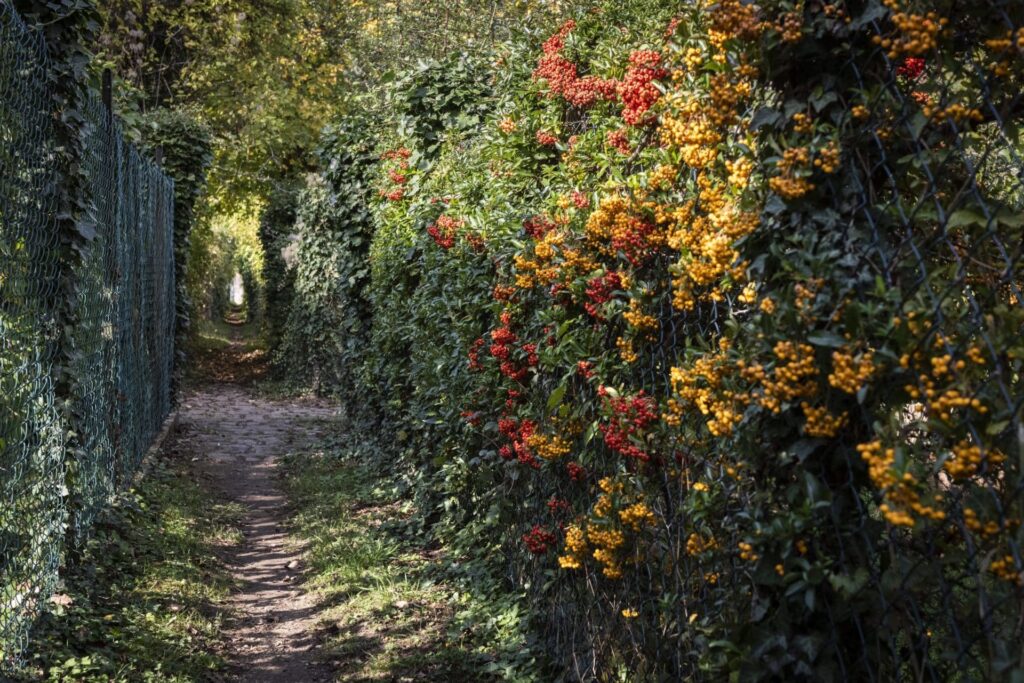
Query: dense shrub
point(277, 222)
point(187, 154)
point(331, 273)
point(706, 339)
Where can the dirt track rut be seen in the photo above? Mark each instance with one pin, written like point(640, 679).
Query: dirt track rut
point(236, 438)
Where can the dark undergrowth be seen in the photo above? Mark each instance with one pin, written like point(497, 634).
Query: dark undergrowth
point(226, 351)
point(141, 604)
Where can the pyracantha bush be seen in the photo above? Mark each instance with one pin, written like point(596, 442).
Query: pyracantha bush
point(737, 285)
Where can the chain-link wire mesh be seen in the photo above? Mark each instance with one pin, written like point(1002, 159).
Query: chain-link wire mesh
point(32, 436)
point(57, 471)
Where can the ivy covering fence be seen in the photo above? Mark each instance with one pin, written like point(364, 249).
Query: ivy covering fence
point(87, 307)
point(698, 326)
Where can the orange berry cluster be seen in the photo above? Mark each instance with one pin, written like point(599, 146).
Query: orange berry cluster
point(917, 34)
point(790, 183)
point(791, 27)
point(1006, 49)
point(955, 113)
point(637, 516)
point(899, 490)
point(968, 459)
point(1007, 569)
point(697, 544)
point(548, 447)
point(576, 545)
point(820, 422)
point(850, 373)
point(747, 552)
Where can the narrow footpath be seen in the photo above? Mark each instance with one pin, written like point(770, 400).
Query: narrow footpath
point(236, 437)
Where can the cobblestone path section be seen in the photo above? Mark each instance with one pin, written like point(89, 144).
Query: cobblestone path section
point(236, 439)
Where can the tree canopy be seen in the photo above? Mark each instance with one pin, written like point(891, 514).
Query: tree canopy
point(266, 76)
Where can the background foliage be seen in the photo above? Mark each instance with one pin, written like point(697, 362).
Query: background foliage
point(186, 148)
point(264, 77)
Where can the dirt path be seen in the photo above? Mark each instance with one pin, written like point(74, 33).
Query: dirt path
point(236, 438)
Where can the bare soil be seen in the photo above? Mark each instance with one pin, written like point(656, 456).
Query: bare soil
point(235, 438)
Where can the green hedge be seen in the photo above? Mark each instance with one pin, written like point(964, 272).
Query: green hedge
point(187, 151)
point(326, 290)
point(698, 328)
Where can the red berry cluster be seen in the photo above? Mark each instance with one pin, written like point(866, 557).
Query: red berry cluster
point(400, 153)
point(576, 471)
point(631, 415)
point(397, 177)
point(443, 231)
point(600, 290)
point(502, 347)
point(634, 242)
point(583, 92)
point(508, 426)
point(538, 226)
point(670, 30)
point(516, 373)
point(503, 292)
point(476, 242)
point(531, 354)
point(911, 68)
point(513, 396)
point(562, 76)
point(474, 354)
point(637, 89)
point(584, 367)
point(518, 432)
point(580, 199)
point(538, 540)
point(619, 140)
point(552, 67)
point(546, 139)
point(502, 338)
point(558, 506)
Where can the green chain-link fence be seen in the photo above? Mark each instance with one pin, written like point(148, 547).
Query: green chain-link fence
point(59, 467)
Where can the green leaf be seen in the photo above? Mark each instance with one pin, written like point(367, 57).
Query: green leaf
point(827, 339)
point(996, 428)
point(556, 396)
point(965, 217)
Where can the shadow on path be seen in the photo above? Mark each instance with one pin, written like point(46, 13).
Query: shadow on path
point(236, 438)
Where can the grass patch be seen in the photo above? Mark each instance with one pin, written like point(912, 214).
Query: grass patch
point(141, 605)
point(389, 617)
